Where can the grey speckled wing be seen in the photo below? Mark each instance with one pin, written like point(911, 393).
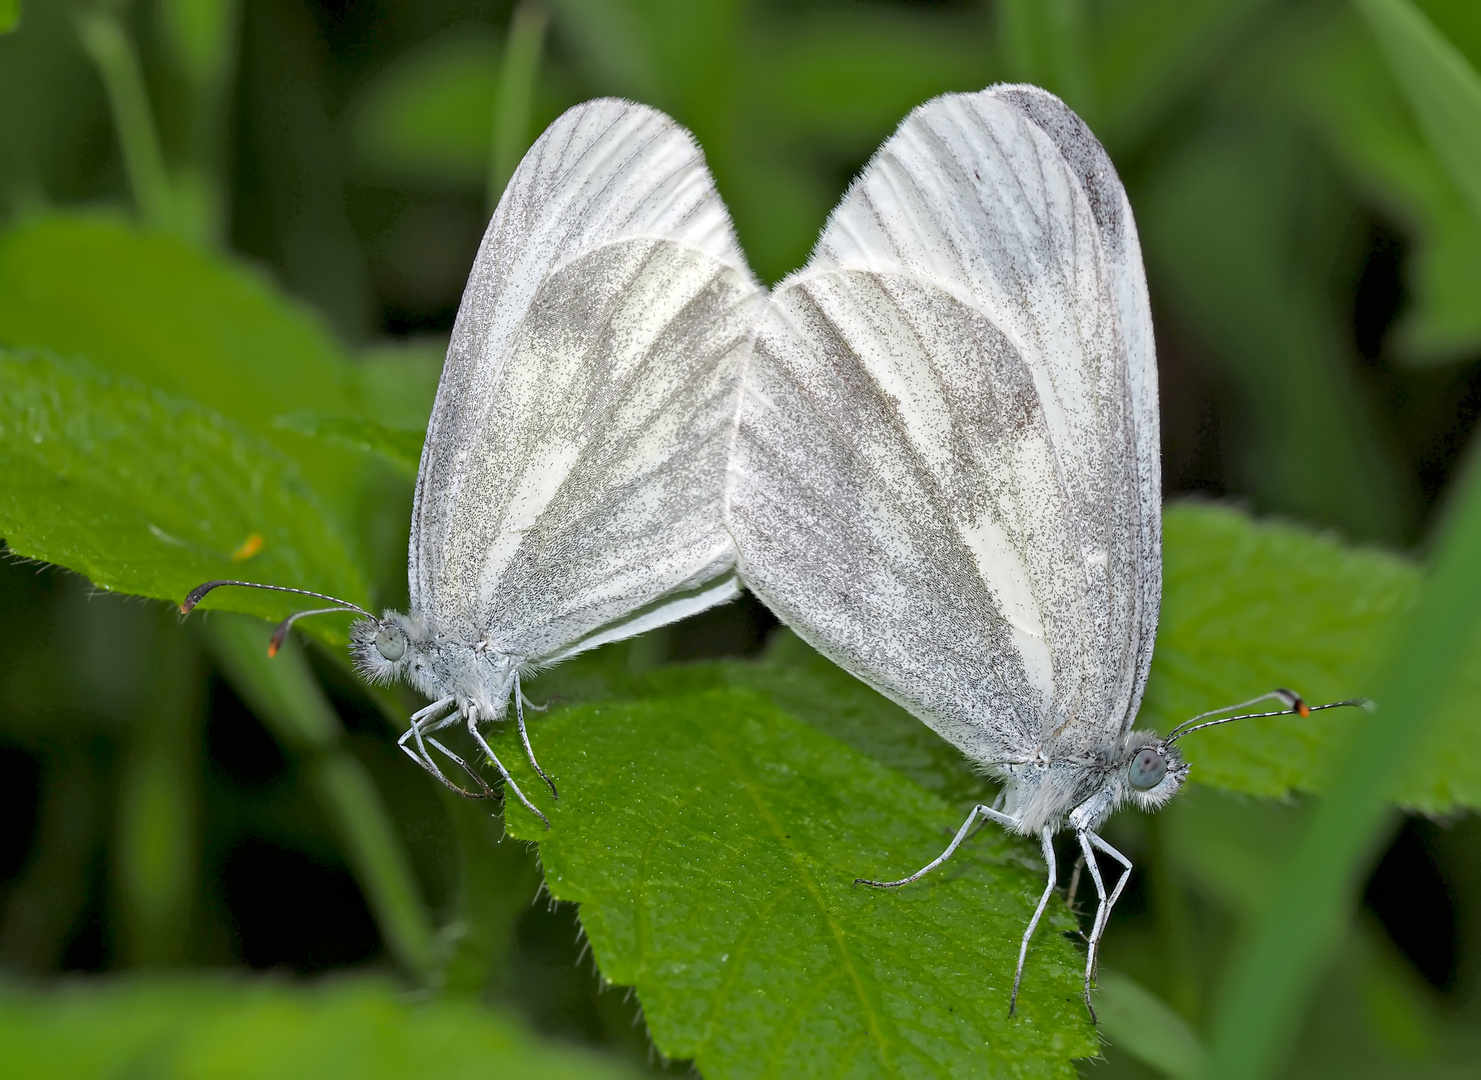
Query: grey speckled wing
point(946, 466)
point(571, 481)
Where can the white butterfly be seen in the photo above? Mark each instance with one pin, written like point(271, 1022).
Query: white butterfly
point(572, 477)
point(946, 474)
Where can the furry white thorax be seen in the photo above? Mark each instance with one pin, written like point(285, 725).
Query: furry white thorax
point(1084, 788)
point(477, 676)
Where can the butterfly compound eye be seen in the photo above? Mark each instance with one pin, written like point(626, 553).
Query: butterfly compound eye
point(391, 643)
point(1147, 769)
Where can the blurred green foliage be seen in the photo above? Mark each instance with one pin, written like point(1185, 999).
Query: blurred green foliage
point(199, 1027)
point(254, 355)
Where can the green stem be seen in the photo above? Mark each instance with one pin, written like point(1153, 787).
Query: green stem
point(1047, 42)
point(351, 799)
point(1311, 905)
point(158, 802)
point(495, 883)
point(42, 909)
point(285, 694)
point(202, 36)
point(515, 101)
point(104, 40)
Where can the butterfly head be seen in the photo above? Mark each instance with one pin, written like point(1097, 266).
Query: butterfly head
point(392, 647)
point(1152, 770)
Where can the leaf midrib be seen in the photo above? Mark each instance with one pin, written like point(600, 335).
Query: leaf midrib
point(783, 839)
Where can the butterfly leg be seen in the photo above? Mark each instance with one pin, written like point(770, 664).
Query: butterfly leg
point(1088, 842)
point(447, 721)
point(524, 737)
point(961, 834)
point(1074, 886)
point(1047, 839)
point(509, 783)
point(421, 723)
point(488, 792)
point(427, 763)
point(422, 716)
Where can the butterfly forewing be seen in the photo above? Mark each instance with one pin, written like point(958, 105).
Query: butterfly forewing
point(1122, 255)
point(574, 463)
point(945, 469)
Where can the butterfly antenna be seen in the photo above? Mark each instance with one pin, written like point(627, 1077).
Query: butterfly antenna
point(281, 633)
point(1294, 705)
point(199, 592)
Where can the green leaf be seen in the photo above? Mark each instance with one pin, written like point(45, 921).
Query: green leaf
point(1442, 87)
point(1251, 606)
point(108, 44)
point(801, 682)
point(693, 796)
point(401, 448)
point(397, 385)
point(827, 88)
point(1230, 847)
point(712, 839)
point(1460, 22)
point(215, 1027)
point(805, 684)
point(10, 15)
point(1372, 1014)
point(177, 319)
point(145, 493)
point(846, 80)
point(1248, 607)
point(398, 381)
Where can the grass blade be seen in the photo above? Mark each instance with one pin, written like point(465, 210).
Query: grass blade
point(1143, 1025)
point(1307, 916)
point(1442, 87)
point(516, 94)
point(110, 49)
